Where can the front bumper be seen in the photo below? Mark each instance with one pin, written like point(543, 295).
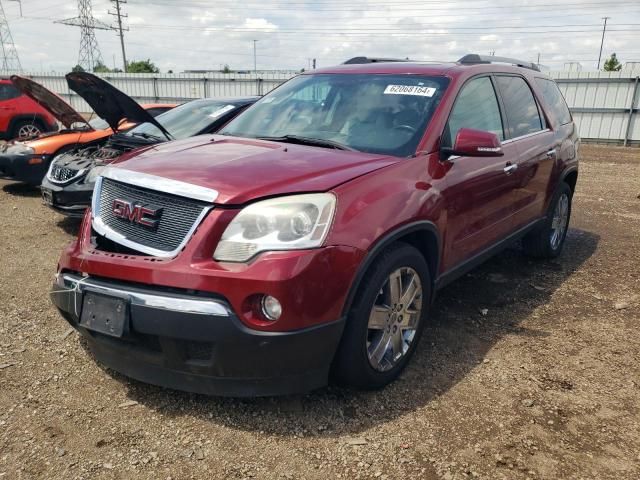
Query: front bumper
point(195, 342)
point(29, 168)
point(71, 199)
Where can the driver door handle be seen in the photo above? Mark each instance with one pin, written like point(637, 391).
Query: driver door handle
point(510, 168)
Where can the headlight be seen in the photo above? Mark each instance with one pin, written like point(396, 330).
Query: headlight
point(93, 174)
point(19, 149)
point(286, 223)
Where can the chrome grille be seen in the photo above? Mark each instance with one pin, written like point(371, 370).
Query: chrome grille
point(178, 218)
point(60, 174)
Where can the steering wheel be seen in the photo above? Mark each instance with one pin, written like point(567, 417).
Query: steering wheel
point(408, 128)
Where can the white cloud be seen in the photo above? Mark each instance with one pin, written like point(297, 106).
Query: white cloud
point(197, 34)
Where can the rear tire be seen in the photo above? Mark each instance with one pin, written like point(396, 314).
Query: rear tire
point(386, 320)
point(25, 129)
point(547, 240)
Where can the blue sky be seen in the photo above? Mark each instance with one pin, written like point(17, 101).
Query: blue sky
point(199, 34)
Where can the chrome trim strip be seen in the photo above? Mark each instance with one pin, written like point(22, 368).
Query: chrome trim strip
point(525, 136)
point(103, 229)
point(161, 184)
point(198, 306)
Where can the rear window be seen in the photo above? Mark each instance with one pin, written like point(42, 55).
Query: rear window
point(523, 116)
point(554, 99)
point(8, 91)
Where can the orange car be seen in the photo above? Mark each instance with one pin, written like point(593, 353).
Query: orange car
point(28, 161)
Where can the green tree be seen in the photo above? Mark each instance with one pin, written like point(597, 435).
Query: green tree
point(226, 69)
point(142, 66)
point(77, 68)
point(612, 65)
point(100, 67)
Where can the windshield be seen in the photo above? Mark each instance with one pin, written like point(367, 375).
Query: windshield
point(371, 113)
point(98, 124)
point(186, 120)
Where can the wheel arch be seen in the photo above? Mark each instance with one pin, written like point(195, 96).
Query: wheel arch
point(28, 118)
point(423, 235)
point(570, 177)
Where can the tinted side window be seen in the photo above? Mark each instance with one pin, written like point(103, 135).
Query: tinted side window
point(8, 92)
point(476, 107)
point(554, 98)
point(522, 111)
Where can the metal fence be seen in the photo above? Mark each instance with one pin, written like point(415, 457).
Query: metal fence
point(605, 105)
point(159, 88)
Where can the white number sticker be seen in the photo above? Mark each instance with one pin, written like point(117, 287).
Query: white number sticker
point(220, 111)
point(409, 90)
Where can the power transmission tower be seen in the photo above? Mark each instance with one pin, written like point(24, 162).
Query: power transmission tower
point(90, 55)
point(120, 29)
point(10, 60)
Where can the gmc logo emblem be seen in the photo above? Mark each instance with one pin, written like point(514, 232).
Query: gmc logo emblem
point(146, 216)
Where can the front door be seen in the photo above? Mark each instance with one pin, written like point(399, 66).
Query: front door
point(479, 191)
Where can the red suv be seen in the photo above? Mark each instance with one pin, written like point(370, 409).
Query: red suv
point(20, 116)
point(307, 239)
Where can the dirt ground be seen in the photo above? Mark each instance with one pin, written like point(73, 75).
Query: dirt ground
point(544, 384)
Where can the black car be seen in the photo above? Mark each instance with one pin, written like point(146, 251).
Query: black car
point(68, 185)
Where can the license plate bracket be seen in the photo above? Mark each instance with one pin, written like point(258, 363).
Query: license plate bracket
point(106, 314)
point(47, 196)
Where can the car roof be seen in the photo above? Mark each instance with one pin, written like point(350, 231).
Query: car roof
point(449, 69)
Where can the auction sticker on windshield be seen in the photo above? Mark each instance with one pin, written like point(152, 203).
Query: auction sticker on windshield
point(409, 90)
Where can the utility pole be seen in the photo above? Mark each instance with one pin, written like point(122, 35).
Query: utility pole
point(10, 60)
point(120, 30)
point(255, 63)
point(604, 29)
point(538, 63)
point(90, 55)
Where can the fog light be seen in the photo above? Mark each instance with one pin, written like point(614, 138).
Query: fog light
point(271, 308)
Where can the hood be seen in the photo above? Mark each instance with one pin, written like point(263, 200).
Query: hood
point(108, 102)
point(242, 169)
point(48, 100)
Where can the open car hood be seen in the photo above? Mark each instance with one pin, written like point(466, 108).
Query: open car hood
point(108, 102)
point(48, 100)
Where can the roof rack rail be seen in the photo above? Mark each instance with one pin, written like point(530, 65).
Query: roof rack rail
point(474, 58)
point(360, 60)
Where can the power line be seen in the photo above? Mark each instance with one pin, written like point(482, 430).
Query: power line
point(10, 59)
point(317, 7)
point(89, 55)
point(120, 29)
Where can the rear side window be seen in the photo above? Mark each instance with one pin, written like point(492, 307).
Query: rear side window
point(476, 107)
point(7, 92)
point(520, 105)
point(554, 98)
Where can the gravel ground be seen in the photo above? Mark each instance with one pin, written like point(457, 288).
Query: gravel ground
point(528, 370)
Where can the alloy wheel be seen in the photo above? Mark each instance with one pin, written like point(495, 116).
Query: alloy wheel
point(560, 221)
point(28, 131)
point(394, 319)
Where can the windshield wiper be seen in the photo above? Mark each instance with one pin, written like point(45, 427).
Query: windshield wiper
point(314, 142)
point(147, 136)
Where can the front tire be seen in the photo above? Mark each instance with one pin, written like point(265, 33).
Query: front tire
point(547, 240)
point(386, 321)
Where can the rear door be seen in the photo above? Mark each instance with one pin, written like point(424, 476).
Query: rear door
point(479, 191)
point(8, 95)
point(536, 146)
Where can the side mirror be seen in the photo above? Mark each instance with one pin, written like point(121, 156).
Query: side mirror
point(474, 143)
